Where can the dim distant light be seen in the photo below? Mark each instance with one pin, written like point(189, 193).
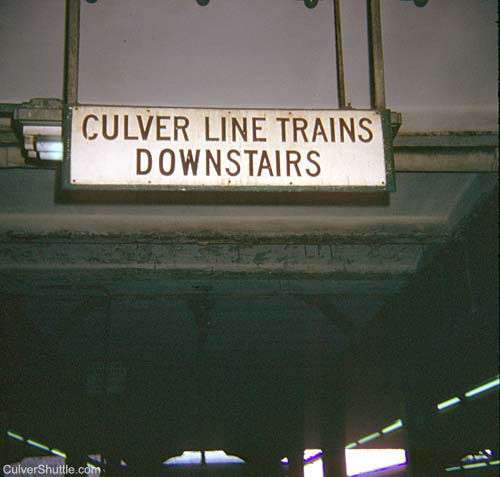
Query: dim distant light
point(475, 466)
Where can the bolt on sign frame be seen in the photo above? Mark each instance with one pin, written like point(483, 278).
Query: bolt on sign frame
point(181, 149)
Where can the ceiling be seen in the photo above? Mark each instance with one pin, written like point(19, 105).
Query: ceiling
point(220, 323)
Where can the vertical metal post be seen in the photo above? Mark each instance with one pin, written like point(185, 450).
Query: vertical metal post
point(72, 52)
point(377, 84)
point(339, 55)
point(334, 463)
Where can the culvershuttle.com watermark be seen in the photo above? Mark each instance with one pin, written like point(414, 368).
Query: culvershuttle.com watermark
point(44, 469)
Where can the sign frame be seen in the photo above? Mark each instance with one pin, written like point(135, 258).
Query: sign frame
point(387, 137)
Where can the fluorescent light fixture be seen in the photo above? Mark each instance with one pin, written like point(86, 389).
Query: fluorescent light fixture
point(43, 142)
point(58, 453)
point(369, 438)
point(50, 156)
point(362, 461)
point(394, 426)
point(314, 469)
point(448, 403)
point(15, 436)
point(453, 469)
point(352, 445)
point(46, 145)
point(311, 454)
point(494, 462)
point(483, 388)
point(475, 466)
point(41, 130)
point(37, 445)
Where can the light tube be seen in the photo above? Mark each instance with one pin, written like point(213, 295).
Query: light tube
point(37, 444)
point(15, 436)
point(58, 453)
point(396, 425)
point(49, 146)
point(483, 388)
point(448, 403)
point(369, 438)
point(474, 466)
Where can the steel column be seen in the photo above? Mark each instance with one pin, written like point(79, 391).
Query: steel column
point(377, 84)
point(72, 47)
point(339, 55)
point(334, 463)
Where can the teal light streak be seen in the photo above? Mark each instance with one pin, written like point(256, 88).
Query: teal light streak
point(369, 438)
point(37, 444)
point(58, 453)
point(483, 388)
point(394, 426)
point(352, 445)
point(450, 402)
point(15, 436)
point(475, 466)
point(453, 469)
point(494, 462)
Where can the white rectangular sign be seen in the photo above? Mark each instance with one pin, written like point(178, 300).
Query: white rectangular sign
point(225, 148)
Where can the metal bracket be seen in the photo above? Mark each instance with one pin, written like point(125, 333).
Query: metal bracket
point(377, 84)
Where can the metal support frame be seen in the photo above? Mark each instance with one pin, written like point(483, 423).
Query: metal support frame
point(296, 463)
point(377, 86)
point(72, 49)
point(377, 82)
point(339, 55)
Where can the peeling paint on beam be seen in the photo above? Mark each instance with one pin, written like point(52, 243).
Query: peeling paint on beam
point(382, 235)
point(343, 260)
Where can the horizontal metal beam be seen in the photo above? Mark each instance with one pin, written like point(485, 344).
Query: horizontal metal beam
point(436, 160)
point(446, 152)
point(267, 260)
point(447, 140)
